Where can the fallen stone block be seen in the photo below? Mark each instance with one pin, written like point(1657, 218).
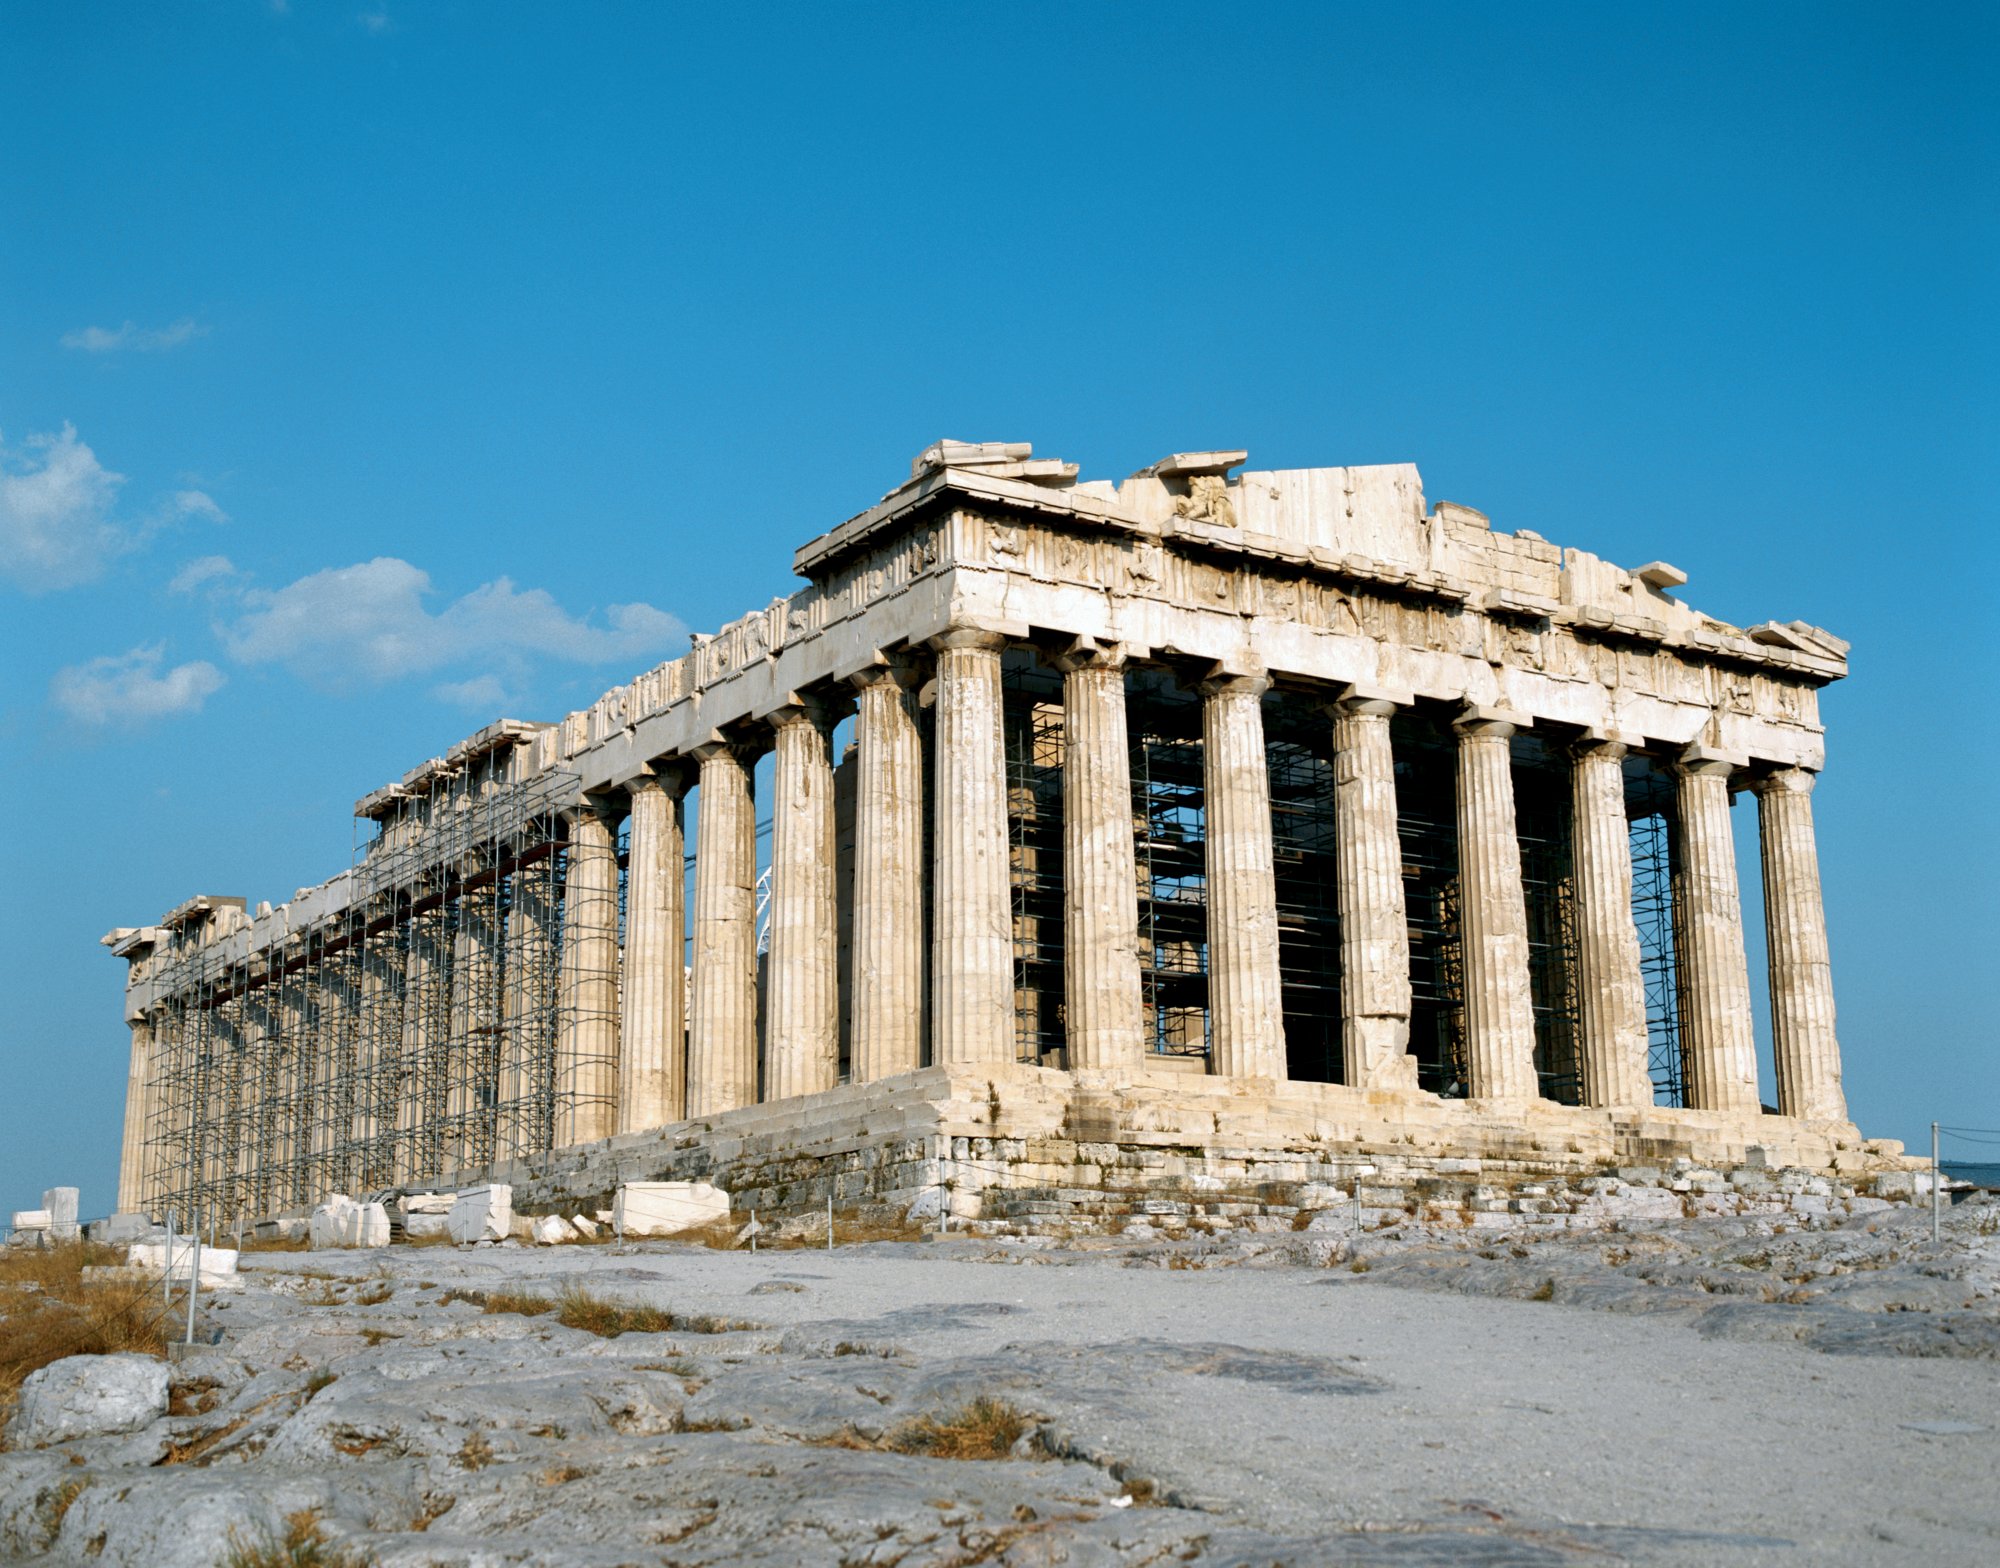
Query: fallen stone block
point(371, 1225)
point(426, 1202)
point(218, 1264)
point(663, 1208)
point(550, 1230)
point(481, 1214)
point(121, 1230)
point(584, 1226)
point(88, 1396)
point(417, 1227)
point(61, 1205)
point(326, 1225)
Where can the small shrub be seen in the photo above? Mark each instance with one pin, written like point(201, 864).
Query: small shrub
point(319, 1380)
point(475, 1453)
point(375, 1294)
point(1546, 1291)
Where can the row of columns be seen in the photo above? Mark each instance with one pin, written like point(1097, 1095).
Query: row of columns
point(971, 998)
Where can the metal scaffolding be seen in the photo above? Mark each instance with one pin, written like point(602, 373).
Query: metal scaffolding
point(1032, 720)
point(1298, 756)
point(1427, 824)
point(1542, 811)
point(1169, 816)
point(1649, 803)
point(408, 1036)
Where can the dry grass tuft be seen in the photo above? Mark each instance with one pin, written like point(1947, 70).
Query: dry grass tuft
point(48, 1311)
point(475, 1453)
point(984, 1428)
point(579, 1308)
point(301, 1544)
point(55, 1507)
point(276, 1244)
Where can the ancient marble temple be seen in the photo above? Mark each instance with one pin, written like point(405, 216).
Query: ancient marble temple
point(1213, 822)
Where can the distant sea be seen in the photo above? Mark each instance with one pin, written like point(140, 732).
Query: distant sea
point(1978, 1175)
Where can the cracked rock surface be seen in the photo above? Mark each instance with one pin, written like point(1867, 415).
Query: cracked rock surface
point(1723, 1391)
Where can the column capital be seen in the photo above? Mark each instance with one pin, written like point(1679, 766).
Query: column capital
point(1700, 761)
point(669, 778)
point(800, 708)
point(970, 637)
point(1483, 722)
point(1369, 701)
point(744, 748)
point(887, 669)
point(1087, 653)
point(591, 809)
point(1225, 679)
point(1597, 741)
point(1785, 781)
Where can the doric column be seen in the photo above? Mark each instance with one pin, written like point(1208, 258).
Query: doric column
point(1802, 1033)
point(587, 1023)
point(722, 1019)
point(132, 1152)
point(1103, 1011)
point(888, 936)
point(802, 1033)
point(1611, 990)
point(1245, 999)
point(530, 1005)
point(1368, 892)
point(1718, 1044)
point(1493, 911)
point(422, 970)
point(972, 943)
point(472, 1062)
point(652, 1047)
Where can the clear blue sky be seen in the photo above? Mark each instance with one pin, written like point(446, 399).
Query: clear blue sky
point(555, 329)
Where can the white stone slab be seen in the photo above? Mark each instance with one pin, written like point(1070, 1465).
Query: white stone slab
point(32, 1219)
point(418, 1226)
point(371, 1225)
point(218, 1264)
point(585, 1226)
point(662, 1208)
point(481, 1214)
point(551, 1229)
point(61, 1204)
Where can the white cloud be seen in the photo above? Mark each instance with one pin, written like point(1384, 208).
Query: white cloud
point(133, 337)
point(203, 569)
point(483, 692)
point(130, 688)
point(198, 503)
point(369, 623)
point(55, 513)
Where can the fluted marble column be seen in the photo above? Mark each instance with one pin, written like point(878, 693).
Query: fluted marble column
point(972, 943)
point(722, 1018)
point(652, 1069)
point(1493, 912)
point(587, 1018)
point(802, 1033)
point(1718, 1043)
point(1103, 1010)
point(1245, 998)
point(132, 1152)
point(1611, 989)
point(1368, 892)
point(529, 1008)
point(472, 1062)
point(1802, 1016)
point(887, 945)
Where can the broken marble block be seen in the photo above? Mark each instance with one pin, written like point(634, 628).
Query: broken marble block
point(61, 1204)
point(327, 1226)
point(418, 1226)
point(371, 1225)
point(30, 1228)
point(584, 1225)
point(481, 1214)
point(551, 1229)
point(661, 1208)
point(218, 1264)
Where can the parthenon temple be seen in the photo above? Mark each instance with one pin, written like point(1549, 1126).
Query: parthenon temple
point(1209, 824)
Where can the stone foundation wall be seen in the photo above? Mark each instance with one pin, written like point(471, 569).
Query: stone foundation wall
point(1031, 1146)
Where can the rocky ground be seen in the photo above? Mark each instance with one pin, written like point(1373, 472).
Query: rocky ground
point(1771, 1389)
